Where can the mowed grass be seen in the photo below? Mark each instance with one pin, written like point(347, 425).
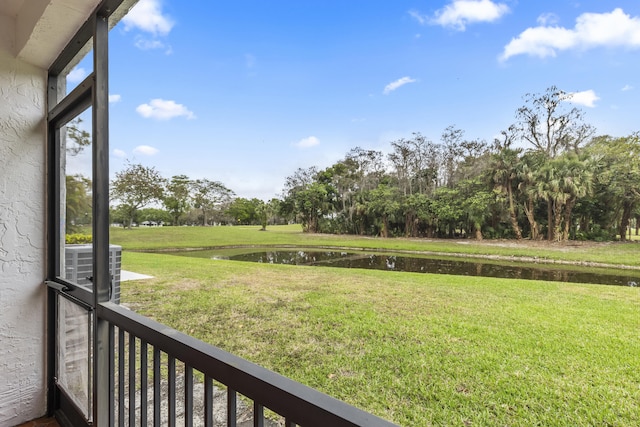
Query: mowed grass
point(209, 237)
point(417, 349)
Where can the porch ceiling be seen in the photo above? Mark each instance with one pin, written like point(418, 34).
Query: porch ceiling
point(43, 27)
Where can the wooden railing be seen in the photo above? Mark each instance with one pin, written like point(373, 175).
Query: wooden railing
point(159, 376)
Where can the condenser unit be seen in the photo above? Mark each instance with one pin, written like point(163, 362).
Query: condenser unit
point(79, 267)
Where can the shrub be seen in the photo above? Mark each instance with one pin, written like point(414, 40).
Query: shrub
point(75, 239)
point(596, 234)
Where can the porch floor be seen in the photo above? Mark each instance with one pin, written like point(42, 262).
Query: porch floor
point(41, 422)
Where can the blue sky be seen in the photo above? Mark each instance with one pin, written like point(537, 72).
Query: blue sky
point(247, 91)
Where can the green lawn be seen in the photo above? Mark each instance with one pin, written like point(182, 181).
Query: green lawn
point(417, 349)
point(209, 237)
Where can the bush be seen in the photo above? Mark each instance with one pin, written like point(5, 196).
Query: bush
point(596, 234)
point(76, 239)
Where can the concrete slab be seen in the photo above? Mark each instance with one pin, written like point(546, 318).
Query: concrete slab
point(130, 275)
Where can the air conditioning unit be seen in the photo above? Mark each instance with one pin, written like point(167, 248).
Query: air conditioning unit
point(79, 267)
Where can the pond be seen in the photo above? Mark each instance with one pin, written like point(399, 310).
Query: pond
point(423, 264)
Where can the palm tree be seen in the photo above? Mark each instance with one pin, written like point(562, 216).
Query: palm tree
point(527, 176)
point(549, 187)
point(562, 181)
point(505, 164)
point(576, 183)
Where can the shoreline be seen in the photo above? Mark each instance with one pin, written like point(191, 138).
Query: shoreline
point(508, 258)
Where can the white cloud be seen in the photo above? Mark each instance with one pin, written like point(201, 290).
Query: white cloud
point(548, 19)
point(614, 29)
point(418, 17)
point(308, 142)
point(586, 98)
point(626, 88)
point(540, 41)
point(462, 12)
point(147, 16)
point(396, 84)
point(146, 150)
point(143, 43)
point(148, 44)
point(119, 153)
point(161, 109)
point(76, 75)
point(114, 97)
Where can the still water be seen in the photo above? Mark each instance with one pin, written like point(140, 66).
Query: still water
point(396, 262)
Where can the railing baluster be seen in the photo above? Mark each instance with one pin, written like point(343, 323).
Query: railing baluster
point(157, 422)
point(171, 365)
point(208, 401)
point(231, 408)
point(258, 415)
point(132, 380)
point(188, 396)
point(121, 360)
point(112, 373)
point(143, 382)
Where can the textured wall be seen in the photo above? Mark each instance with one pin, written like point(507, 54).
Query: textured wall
point(22, 240)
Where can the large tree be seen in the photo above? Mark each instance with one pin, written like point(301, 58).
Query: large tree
point(549, 125)
point(313, 202)
point(243, 211)
point(177, 198)
point(416, 209)
point(425, 163)
point(135, 187)
point(476, 200)
point(309, 195)
point(368, 169)
point(209, 196)
point(402, 159)
point(504, 167)
point(77, 190)
point(447, 207)
point(451, 154)
point(505, 175)
point(527, 171)
point(618, 175)
point(576, 179)
point(79, 202)
point(384, 205)
point(549, 188)
point(342, 177)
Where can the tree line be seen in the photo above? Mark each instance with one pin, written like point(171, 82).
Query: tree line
point(140, 194)
point(185, 201)
point(547, 176)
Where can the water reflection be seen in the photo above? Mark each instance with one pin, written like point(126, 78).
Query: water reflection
point(432, 265)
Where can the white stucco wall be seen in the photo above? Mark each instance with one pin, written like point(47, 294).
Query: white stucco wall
point(22, 239)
